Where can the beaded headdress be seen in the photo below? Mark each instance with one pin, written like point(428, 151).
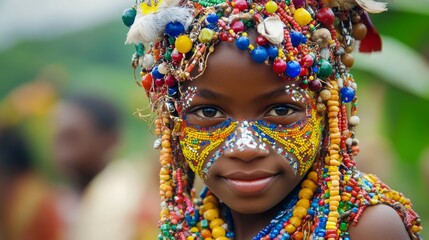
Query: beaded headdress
point(307, 42)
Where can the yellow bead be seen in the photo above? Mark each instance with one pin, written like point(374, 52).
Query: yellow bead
point(305, 203)
point(206, 35)
point(190, 238)
point(296, 221)
point(305, 193)
point(290, 228)
point(271, 6)
point(244, 34)
point(302, 17)
point(211, 214)
point(194, 230)
point(218, 232)
point(222, 238)
point(183, 44)
point(300, 212)
point(216, 223)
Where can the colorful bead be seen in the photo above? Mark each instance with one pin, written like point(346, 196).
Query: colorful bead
point(128, 16)
point(174, 29)
point(302, 17)
point(183, 44)
point(293, 69)
point(259, 54)
point(271, 6)
point(242, 43)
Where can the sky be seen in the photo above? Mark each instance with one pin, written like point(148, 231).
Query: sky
point(47, 18)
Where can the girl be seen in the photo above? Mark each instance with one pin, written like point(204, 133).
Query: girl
point(271, 131)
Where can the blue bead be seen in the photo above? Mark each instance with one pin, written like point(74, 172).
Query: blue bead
point(347, 94)
point(295, 38)
point(242, 43)
point(172, 91)
point(156, 74)
point(293, 69)
point(349, 189)
point(174, 29)
point(211, 26)
point(273, 52)
point(259, 54)
point(212, 18)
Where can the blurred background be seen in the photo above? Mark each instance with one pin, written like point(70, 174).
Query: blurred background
point(64, 66)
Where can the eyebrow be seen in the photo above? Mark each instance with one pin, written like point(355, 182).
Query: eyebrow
point(270, 95)
point(210, 95)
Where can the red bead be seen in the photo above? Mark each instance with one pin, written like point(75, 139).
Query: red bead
point(315, 85)
point(307, 61)
point(170, 80)
point(261, 40)
point(159, 82)
point(223, 36)
point(237, 26)
point(241, 5)
point(147, 81)
point(279, 66)
point(304, 72)
point(326, 16)
point(176, 56)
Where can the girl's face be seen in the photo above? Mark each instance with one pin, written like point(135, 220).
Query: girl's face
point(251, 135)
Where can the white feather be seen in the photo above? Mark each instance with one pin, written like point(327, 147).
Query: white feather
point(372, 6)
point(151, 27)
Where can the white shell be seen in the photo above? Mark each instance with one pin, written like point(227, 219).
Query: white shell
point(354, 86)
point(322, 37)
point(272, 29)
point(148, 61)
point(157, 143)
point(354, 120)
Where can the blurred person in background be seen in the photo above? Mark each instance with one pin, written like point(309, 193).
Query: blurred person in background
point(104, 197)
point(27, 203)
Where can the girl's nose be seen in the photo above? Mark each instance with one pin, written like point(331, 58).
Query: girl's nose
point(246, 145)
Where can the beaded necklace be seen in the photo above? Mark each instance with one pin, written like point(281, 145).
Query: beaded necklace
point(306, 42)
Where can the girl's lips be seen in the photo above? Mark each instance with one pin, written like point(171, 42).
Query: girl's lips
point(250, 186)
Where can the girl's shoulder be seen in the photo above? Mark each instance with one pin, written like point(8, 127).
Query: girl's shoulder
point(383, 213)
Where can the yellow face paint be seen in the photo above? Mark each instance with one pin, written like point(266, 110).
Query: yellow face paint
point(297, 143)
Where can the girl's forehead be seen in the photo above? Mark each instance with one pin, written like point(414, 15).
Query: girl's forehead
point(232, 73)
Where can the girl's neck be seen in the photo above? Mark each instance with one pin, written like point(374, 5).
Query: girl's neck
point(247, 226)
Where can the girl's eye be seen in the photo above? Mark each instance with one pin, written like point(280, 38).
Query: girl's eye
point(281, 111)
point(208, 112)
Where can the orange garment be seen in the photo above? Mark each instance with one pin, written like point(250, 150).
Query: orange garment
point(30, 211)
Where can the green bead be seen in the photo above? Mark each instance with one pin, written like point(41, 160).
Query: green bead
point(343, 226)
point(167, 55)
point(204, 223)
point(140, 49)
point(327, 195)
point(128, 16)
point(325, 69)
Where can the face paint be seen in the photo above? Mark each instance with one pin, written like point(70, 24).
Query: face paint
point(297, 143)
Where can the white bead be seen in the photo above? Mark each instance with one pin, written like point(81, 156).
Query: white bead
point(324, 53)
point(354, 86)
point(148, 61)
point(162, 69)
point(349, 141)
point(340, 82)
point(354, 120)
